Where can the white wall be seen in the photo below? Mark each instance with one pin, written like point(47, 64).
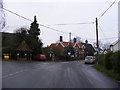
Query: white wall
point(116, 47)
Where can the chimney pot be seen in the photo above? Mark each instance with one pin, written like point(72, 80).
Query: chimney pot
point(86, 41)
point(74, 40)
point(61, 38)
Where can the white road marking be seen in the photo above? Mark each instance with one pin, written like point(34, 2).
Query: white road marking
point(11, 74)
point(64, 62)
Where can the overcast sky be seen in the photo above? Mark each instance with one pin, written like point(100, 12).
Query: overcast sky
point(65, 12)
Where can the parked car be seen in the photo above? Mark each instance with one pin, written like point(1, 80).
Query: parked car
point(40, 57)
point(89, 59)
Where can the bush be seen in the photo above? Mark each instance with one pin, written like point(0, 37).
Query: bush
point(107, 60)
point(115, 59)
point(59, 53)
point(100, 59)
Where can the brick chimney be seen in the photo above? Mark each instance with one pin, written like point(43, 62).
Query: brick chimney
point(61, 39)
point(86, 41)
point(74, 40)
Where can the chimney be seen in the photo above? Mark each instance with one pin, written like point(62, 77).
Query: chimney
point(86, 41)
point(74, 40)
point(61, 38)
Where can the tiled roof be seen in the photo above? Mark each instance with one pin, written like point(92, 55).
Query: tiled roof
point(65, 44)
point(108, 50)
point(53, 45)
point(73, 44)
point(89, 47)
point(80, 45)
point(23, 47)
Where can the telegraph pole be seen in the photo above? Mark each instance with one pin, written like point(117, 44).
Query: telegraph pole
point(97, 39)
point(70, 36)
point(97, 43)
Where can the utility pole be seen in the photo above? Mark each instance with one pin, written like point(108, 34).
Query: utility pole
point(97, 39)
point(70, 36)
point(97, 43)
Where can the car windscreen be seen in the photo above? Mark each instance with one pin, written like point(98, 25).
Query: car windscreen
point(89, 57)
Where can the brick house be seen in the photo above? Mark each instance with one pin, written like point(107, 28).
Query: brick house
point(80, 49)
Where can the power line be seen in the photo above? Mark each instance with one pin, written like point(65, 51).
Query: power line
point(53, 28)
point(71, 24)
point(32, 21)
point(102, 31)
point(60, 24)
point(107, 9)
point(17, 14)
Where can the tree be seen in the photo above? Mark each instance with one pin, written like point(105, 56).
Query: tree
point(33, 40)
point(78, 39)
point(102, 45)
point(2, 16)
point(34, 29)
point(106, 46)
point(22, 34)
point(31, 37)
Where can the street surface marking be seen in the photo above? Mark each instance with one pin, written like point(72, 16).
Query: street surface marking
point(11, 74)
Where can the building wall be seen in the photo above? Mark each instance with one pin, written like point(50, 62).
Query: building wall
point(116, 47)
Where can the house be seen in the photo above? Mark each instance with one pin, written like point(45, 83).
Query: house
point(106, 51)
point(12, 48)
point(23, 51)
point(115, 46)
point(88, 48)
point(79, 48)
point(98, 50)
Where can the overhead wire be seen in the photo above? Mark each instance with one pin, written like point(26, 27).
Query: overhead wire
point(107, 9)
point(102, 31)
point(45, 25)
point(61, 24)
point(71, 24)
point(32, 21)
point(17, 14)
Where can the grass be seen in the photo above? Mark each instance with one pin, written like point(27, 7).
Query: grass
point(109, 73)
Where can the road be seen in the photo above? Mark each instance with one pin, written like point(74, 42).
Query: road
point(74, 74)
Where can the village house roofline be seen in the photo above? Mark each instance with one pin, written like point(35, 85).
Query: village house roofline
point(53, 45)
point(65, 44)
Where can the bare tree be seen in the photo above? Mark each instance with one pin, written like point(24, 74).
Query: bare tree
point(78, 39)
point(2, 16)
point(102, 45)
point(106, 46)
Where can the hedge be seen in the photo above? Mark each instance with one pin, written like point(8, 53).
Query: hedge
point(110, 61)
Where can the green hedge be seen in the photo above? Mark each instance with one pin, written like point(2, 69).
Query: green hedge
point(110, 61)
point(115, 58)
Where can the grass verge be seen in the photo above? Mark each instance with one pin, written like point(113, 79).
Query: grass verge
point(109, 73)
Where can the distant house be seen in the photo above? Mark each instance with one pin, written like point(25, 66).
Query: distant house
point(99, 51)
point(79, 48)
point(115, 46)
point(14, 49)
point(106, 51)
point(23, 51)
point(88, 48)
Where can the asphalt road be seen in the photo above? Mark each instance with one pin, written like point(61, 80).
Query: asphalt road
point(74, 74)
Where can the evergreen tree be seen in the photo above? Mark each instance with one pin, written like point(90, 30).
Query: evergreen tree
point(34, 29)
point(34, 42)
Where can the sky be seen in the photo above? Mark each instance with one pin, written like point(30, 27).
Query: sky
point(51, 12)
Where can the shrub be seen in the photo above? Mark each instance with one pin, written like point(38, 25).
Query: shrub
point(115, 59)
point(100, 59)
point(107, 60)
